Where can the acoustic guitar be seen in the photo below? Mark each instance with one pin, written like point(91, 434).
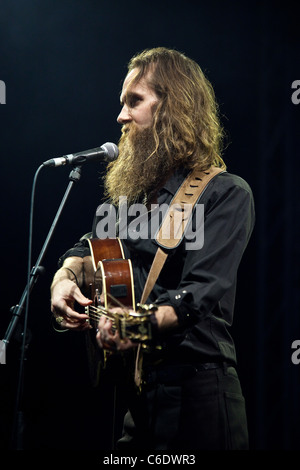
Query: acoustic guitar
point(113, 286)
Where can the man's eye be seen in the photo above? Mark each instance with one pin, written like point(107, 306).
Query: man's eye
point(134, 101)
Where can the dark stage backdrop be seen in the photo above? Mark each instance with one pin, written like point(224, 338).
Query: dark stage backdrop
point(62, 64)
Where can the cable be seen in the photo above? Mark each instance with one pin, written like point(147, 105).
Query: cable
point(17, 415)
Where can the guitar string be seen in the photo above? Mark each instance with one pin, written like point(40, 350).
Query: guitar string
point(94, 315)
point(98, 312)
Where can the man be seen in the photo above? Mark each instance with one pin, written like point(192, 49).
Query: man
point(190, 396)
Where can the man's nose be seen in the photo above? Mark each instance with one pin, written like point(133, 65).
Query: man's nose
point(124, 115)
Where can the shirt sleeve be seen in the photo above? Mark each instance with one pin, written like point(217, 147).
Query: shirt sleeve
point(209, 274)
point(81, 249)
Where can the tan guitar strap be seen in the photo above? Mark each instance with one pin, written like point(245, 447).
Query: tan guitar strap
point(171, 232)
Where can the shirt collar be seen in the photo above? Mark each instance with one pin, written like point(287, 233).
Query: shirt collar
point(175, 180)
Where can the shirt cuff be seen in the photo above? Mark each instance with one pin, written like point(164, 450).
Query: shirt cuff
point(181, 301)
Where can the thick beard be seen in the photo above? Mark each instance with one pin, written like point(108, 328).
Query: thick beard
point(139, 170)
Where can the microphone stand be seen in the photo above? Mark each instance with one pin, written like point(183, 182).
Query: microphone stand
point(18, 424)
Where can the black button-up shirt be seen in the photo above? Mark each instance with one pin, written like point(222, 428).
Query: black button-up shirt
point(199, 284)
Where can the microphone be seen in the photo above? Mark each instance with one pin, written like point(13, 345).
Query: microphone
point(107, 152)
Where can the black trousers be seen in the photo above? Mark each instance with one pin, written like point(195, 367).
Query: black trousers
point(200, 410)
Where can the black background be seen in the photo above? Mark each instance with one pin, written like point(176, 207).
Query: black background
point(63, 63)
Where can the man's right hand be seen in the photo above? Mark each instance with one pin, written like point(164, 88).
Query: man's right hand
point(63, 296)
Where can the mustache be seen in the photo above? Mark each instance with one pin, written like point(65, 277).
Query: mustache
point(133, 128)
point(126, 128)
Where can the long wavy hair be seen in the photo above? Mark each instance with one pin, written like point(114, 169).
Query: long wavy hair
point(186, 119)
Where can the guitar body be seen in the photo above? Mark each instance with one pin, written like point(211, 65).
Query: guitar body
point(109, 248)
point(113, 276)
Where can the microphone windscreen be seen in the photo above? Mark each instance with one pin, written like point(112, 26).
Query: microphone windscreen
point(112, 151)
